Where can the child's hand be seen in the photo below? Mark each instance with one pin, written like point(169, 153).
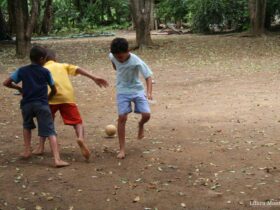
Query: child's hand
point(101, 82)
point(149, 96)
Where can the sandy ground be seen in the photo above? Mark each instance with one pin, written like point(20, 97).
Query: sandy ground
point(212, 142)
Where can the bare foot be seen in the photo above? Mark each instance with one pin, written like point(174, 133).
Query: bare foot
point(26, 155)
point(84, 149)
point(141, 132)
point(121, 155)
point(38, 151)
point(61, 163)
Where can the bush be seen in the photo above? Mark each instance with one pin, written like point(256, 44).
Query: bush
point(172, 10)
point(231, 14)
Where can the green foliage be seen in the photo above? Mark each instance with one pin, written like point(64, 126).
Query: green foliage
point(87, 16)
point(206, 13)
point(273, 8)
point(3, 3)
point(237, 14)
point(65, 15)
point(172, 10)
point(3, 6)
point(83, 16)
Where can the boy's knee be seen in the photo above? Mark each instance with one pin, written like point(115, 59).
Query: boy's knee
point(146, 116)
point(122, 119)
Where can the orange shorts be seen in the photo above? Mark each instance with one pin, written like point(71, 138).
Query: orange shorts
point(69, 113)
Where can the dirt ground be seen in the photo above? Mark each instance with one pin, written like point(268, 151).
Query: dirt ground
point(212, 142)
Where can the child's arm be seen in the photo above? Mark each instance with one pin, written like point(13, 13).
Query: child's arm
point(149, 83)
point(114, 66)
point(53, 92)
point(10, 84)
point(147, 73)
point(99, 81)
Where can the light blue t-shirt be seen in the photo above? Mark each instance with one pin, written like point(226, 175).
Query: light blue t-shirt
point(128, 80)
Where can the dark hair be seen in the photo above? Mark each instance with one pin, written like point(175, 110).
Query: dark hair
point(119, 45)
point(51, 55)
point(37, 53)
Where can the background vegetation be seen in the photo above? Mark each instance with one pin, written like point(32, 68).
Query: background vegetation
point(76, 16)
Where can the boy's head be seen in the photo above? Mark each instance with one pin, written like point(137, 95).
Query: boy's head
point(119, 48)
point(38, 55)
point(51, 55)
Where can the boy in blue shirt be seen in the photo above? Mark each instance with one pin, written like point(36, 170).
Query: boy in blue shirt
point(130, 88)
point(34, 104)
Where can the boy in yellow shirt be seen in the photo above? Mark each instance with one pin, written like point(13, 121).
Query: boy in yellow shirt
point(64, 100)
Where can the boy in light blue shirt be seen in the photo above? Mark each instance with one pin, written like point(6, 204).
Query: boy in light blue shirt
point(129, 88)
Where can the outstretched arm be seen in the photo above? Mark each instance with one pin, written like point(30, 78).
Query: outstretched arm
point(10, 84)
point(99, 81)
point(149, 83)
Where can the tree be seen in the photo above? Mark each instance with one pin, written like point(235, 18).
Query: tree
point(12, 16)
point(48, 16)
point(141, 15)
point(3, 28)
point(24, 24)
point(257, 10)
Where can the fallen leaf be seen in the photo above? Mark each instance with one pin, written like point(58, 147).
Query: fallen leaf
point(38, 207)
point(136, 199)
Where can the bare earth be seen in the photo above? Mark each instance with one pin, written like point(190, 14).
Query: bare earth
point(212, 142)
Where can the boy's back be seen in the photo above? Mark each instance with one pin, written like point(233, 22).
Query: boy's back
point(60, 73)
point(35, 80)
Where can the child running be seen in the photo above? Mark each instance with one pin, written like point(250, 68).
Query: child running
point(64, 100)
point(34, 104)
point(130, 88)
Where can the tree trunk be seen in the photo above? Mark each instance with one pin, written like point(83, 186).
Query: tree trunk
point(12, 16)
point(3, 28)
point(268, 20)
point(153, 15)
point(48, 17)
point(38, 24)
point(257, 16)
point(141, 12)
point(24, 25)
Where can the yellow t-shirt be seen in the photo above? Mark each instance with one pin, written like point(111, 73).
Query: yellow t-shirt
point(60, 73)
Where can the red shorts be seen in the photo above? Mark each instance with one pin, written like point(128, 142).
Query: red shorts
point(69, 113)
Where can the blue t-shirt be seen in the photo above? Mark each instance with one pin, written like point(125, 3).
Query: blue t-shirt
point(128, 80)
point(35, 80)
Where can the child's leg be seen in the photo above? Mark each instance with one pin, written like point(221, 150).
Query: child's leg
point(27, 144)
point(42, 140)
point(124, 108)
point(54, 146)
point(80, 132)
point(121, 133)
point(46, 128)
point(71, 116)
point(142, 106)
point(28, 125)
point(79, 129)
point(145, 118)
point(41, 147)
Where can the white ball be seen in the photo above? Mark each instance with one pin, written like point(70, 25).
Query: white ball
point(110, 130)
